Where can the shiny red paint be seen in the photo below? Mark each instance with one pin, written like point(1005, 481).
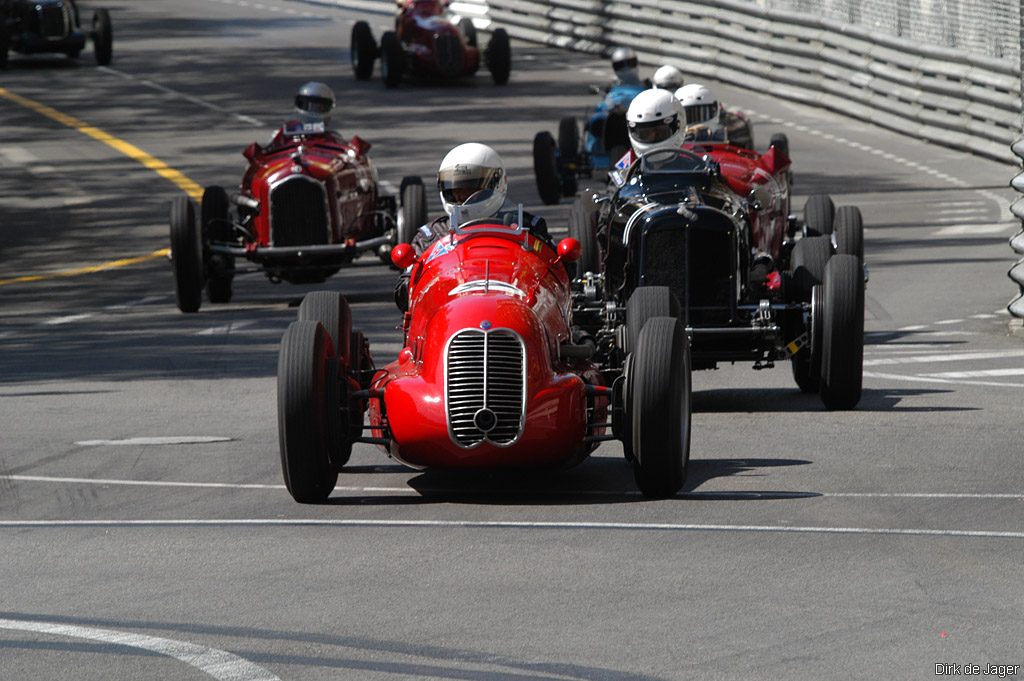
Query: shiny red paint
point(500, 280)
point(762, 180)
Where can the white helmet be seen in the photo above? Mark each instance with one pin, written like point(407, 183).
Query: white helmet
point(314, 103)
point(699, 103)
point(654, 121)
point(668, 77)
point(472, 182)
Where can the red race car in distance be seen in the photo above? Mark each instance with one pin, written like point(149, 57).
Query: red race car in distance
point(492, 373)
point(426, 41)
point(309, 203)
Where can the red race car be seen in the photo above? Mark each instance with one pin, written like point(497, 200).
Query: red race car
point(425, 40)
point(493, 373)
point(309, 203)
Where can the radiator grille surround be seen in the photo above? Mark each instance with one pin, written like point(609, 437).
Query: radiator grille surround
point(485, 387)
point(54, 21)
point(299, 213)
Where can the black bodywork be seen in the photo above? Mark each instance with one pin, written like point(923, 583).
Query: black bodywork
point(51, 26)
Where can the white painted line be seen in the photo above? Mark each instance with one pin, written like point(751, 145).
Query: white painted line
point(409, 490)
point(949, 321)
point(966, 230)
point(169, 440)
point(226, 329)
point(978, 374)
point(925, 379)
point(508, 524)
point(953, 357)
point(218, 664)
point(68, 319)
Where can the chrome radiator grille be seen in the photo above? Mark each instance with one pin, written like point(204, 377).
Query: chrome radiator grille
point(298, 213)
point(485, 389)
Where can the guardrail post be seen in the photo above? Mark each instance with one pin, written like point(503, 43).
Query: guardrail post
point(1016, 273)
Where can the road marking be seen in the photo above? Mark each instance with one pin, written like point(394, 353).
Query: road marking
point(978, 374)
point(594, 492)
point(218, 664)
point(226, 329)
point(509, 524)
point(953, 357)
point(129, 150)
point(68, 319)
point(169, 440)
point(967, 230)
point(949, 381)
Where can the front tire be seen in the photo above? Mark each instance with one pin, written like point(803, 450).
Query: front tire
point(661, 407)
point(302, 414)
point(413, 213)
point(842, 358)
point(646, 303)
point(186, 255)
point(581, 228)
point(568, 154)
point(102, 37)
point(330, 309)
point(392, 59)
point(499, 56)
point(545, 168)
point(362, 50)
point(849, 232)
point(819, 215)
point(216, 227)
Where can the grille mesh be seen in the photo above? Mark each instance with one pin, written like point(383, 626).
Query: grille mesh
point(666, 263)
point(54, 21)
point(485, 369)
point(298, 213)
point(449, 54)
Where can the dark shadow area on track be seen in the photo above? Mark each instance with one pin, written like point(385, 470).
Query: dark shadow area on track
point(438, 661)
point(782, 400)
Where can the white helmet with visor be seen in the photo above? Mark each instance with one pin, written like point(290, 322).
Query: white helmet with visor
point(654, 121)
point(472, 182)
point(699, 103)
point(314, 103)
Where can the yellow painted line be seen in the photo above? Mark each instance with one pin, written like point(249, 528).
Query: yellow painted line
point(129, 150)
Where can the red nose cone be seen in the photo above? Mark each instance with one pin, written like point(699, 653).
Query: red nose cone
point(403, 256)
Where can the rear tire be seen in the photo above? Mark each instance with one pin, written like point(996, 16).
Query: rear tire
point(842, 357)
point(568, 154)
point(545, 168)
point(102, 37)
point(302, 413)
point(392, 59)
point(819, 215)
point(186, 255)
point(5, 39)
point(661, 407)
point(849, 232)
point(413, 213)
point(581, 228)
point(330, 309)
point(807, 264)
point(363, 50)
point(780, 142)
point(499, 56)
point(468, 31)
point(646, 303)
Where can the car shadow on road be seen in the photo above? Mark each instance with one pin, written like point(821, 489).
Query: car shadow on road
point(782, 400)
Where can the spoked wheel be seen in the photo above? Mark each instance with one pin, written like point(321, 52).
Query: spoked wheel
point(499, 56)
point(568, 154)
point(392, 59)
point(217, 228)
point(581, 228)
point(304, 380)
point(660, 407)
point(646, 303)
point(819, 215)
point(186, 255)
point(545, 168)
point(102, 37)
point(413, 213)
point(332, 311)
point(849, 232)
point(842, 331)
point(362, 50)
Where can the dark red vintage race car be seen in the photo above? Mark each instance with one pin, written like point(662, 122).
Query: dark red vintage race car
point(493, 373)
point(309, 203)
point(426, 41)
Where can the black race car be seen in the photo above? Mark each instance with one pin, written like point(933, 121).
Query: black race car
point(52, 26)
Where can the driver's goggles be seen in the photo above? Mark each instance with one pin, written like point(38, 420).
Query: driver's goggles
point(314, 104)
point(655, 131)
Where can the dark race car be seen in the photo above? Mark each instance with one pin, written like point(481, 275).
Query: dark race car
point(52, 26)
point(309, 203)
point(711, 224)
point(493, 373)
point(426, 41)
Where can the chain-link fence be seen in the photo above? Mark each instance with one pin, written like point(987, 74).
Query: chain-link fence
point(989, 28)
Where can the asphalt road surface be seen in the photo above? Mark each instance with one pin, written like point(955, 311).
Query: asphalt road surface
point(145, 528)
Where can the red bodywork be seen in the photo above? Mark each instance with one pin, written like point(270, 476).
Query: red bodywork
point(308, 199)
point(432, 42)
point(498, 299)
point(761, 179)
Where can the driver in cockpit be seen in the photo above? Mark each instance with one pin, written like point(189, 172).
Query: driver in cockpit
point(473, 186)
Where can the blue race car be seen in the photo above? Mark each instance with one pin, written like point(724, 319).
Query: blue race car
point(52, 26)
point(558, 165)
